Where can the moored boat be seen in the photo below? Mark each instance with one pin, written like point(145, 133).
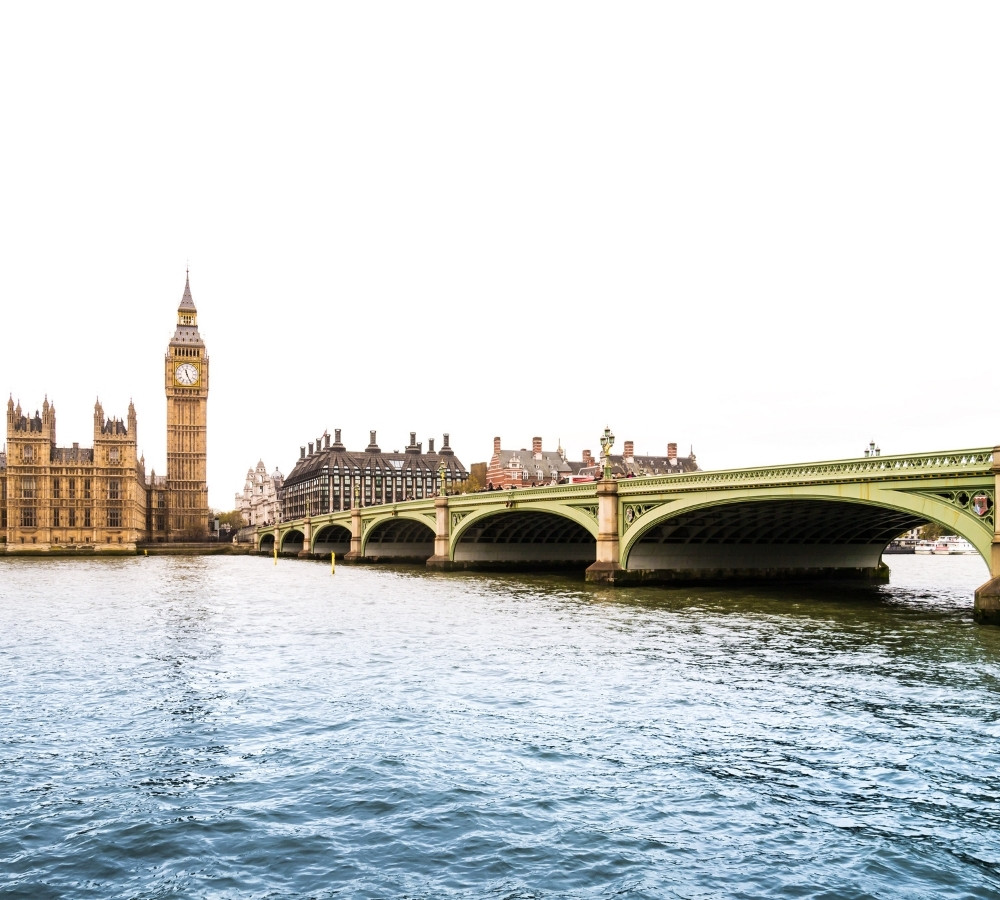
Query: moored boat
point(948, 545)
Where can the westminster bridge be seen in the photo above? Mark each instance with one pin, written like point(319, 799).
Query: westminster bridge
point(812, 521)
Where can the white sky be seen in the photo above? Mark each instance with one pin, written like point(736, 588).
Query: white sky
point(767, 230)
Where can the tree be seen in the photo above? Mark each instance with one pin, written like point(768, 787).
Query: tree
point(470, 486)
point(233, 519)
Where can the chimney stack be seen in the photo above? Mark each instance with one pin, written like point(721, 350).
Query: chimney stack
point(629, 450)
point(536, 447)
point(430, 445)
point(671, 451)
point(302, 452)
point(588, 460)
point(496, 446)
point(310, 448)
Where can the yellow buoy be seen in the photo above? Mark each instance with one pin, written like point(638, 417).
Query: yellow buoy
point(333, 563)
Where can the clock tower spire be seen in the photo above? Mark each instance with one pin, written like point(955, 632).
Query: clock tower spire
point(186, 385)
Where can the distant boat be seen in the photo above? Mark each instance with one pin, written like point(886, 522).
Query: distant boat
point(949, 545)
point(902, 545)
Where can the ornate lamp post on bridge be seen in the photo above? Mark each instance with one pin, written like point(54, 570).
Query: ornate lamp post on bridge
point(607, 442)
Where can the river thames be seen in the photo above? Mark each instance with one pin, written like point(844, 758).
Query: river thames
point(224, 727)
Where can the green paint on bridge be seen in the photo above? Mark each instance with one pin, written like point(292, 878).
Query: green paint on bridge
point(814, 521)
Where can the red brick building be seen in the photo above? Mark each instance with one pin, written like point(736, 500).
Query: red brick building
point(526, 468)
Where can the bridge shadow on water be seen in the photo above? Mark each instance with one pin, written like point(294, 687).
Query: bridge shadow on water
point(880, 606)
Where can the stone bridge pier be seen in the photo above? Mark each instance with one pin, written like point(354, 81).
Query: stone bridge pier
point(606, 569)
point(986, 608)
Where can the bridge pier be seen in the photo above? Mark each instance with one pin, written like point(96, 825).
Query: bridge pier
point(306, 551)
point(986, 607)
point(442, 536)
point(607, 569)
point(354, 553)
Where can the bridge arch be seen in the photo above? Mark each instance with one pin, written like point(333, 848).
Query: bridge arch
point(331, 538)
point(525, 535)
point(266, 544)
point(292, 541)
point(807, 528)
point(408, 538)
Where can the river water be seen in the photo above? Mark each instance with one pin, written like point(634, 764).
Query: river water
point(230, 727)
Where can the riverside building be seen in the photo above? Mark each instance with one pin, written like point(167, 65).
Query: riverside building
point(529, 468)
point(99, 498)
point(328, 477)
point(258, 503)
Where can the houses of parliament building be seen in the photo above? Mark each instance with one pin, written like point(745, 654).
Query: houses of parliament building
point(99, 498)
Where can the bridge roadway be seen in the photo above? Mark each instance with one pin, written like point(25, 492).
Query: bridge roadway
point(812, 521)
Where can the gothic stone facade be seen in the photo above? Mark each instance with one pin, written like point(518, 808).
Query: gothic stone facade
point(71, 497)
point(99, 498)
point(259, 503)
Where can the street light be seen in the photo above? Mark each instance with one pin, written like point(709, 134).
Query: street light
point(607, 442)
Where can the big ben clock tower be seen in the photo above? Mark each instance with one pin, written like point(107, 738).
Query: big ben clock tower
point(186, 383)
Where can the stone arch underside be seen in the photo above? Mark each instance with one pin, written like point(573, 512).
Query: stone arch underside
point(525, 539)
point(769, 537)
point(292, 541)
point(266, 543)
point(332, 539)
point(399, 539)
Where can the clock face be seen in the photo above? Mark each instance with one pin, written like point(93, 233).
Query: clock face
point(186, 373)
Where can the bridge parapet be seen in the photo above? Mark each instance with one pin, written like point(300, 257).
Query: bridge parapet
point(925, 465)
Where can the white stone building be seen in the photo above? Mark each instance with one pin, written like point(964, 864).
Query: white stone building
point(259, 501)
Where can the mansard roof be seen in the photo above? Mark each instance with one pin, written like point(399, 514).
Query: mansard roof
point(546, 462)
point(326, 459)
point(645, 465)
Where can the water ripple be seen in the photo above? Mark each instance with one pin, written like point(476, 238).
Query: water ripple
point(226, 728)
